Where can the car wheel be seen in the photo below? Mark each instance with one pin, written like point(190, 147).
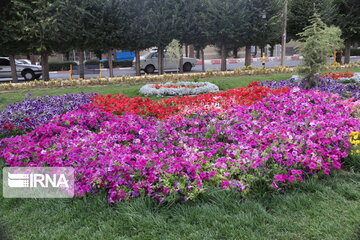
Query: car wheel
point(28, 74)
point(149, 69)
point(187, 67)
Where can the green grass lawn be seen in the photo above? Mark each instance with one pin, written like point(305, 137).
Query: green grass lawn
point(327, 208)
point(317, 209)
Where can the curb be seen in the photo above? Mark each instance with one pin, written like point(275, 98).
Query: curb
point(259, 59)
point(242, 60)
point(104, 69)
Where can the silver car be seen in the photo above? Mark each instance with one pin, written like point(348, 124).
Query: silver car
point(27, 71)
point(149, 63)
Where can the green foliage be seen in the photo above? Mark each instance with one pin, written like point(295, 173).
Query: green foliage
point(160, 17)
point(352, 162)
point(60, 66)
point(261, 24)
point(348, 18)
point(191, 18)
point(317, 42)
point(13, 39)
point(173, 51)
point(137, 31)
point(225, 21)
point(300, 11)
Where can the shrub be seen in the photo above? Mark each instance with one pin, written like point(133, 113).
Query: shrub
point(92, 62)
point(355, 52)
point(106, 63)
point(118, 64)
point(61, 66)
point(317, 42)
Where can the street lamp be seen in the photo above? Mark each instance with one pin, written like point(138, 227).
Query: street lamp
point(263, 16)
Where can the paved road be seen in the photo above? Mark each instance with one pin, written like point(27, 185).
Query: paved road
point(131, 72)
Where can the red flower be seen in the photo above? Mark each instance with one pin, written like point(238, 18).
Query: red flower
point(165, 108)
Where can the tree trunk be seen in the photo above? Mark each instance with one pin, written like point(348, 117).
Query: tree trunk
point(186, 50)
point(235, 53)
point(13, 69)
point(81, 65)
point(203, 60)
point(347, 51)
point(137, 62)
point(160, 60)
point(223, 57)
point(248, 55)
point(272, 48)
point(191, 51)
point(32, 59)
point(181, 60)
point(198, 54)
point(45, 66)
point(110, 60)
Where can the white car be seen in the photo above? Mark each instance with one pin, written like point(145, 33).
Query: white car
point(27, 71)
point(149, 63)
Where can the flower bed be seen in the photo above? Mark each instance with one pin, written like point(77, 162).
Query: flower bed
point(350, 90)
point(337, 75)
point(276, 142)
point(179, 89)
point(186, 105)
point(31, 112)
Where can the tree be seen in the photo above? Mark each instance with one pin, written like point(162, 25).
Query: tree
point(79, 27)
point(110, 27)
point(160, 26)
point(317, 42)
point(42, 29)
point(224, 24)
point(12, 38)
point(189, 21)
point(348, 19)
point(301, 11)
point(137, 31)
point(261, 24)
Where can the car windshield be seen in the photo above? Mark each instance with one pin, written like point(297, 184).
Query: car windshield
point(146, 55)
point(19, 62)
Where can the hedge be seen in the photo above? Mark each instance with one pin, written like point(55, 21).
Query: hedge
point(61, 66)
point(355, 52)
point(106, 63)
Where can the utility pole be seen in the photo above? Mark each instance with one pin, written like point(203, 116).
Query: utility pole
point(283, 38)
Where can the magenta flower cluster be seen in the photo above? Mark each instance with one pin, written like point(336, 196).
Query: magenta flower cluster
point(277, 141)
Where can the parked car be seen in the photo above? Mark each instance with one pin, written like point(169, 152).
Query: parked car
point(24, 61)
point(149, 63)
point(27, 71)
point(122, 56)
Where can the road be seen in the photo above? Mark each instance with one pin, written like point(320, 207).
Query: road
point(131, 72)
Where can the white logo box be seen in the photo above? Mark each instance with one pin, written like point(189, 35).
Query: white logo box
point(38, 182)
